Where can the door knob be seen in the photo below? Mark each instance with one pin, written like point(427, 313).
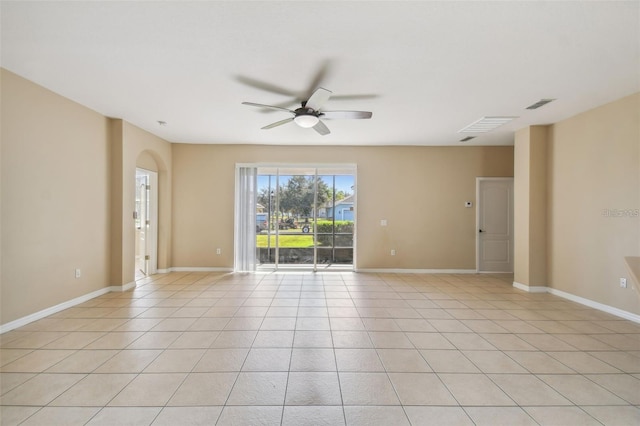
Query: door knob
point(480, 230)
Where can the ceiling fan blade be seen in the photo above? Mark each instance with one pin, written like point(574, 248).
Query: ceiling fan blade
point(319, 97)
point(268, 87)
point(321, 128)
point(278, 123)
point(290, 103)
point(334, 115)
point(319, 78)
point(268, 106)
point(353, 97)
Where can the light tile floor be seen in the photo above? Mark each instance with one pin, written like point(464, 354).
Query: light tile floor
point(326, 348)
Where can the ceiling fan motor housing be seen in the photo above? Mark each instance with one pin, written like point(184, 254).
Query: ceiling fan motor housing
point(306, 111)
point(306, 117)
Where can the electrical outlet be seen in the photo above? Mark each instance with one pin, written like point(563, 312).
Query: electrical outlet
point(218, 251)
point(623, 282)
point(78, 273)
point(393, 252)
point(383, 222)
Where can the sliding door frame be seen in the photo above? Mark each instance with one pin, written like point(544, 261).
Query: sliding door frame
point(317, 167)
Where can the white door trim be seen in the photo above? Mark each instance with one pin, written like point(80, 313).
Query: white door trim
point(153, 223)
point(152, 237)
point(478, 181)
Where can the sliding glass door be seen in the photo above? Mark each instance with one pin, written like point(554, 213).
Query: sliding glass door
point(336, 221)
point(304, 217)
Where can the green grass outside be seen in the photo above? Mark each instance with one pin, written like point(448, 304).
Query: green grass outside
point(298, 241)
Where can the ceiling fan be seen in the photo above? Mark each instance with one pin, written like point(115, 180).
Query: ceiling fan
point(295, 97)
point(309, 114)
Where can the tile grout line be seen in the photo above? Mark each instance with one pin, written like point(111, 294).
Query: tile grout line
point(335, 360)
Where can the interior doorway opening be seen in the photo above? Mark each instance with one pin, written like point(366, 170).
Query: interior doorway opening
point(146, 223)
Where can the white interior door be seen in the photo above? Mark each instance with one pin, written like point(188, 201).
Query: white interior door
point(146, 222)
point(494, 224)
point(142, 222)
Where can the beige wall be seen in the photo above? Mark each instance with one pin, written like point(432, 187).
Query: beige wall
point(521, 183)
point(538, 207)
point(594, 165)
point(530, 206)
point(55, 199)
point(68, 182)
point(419, 190)
point(146, 161)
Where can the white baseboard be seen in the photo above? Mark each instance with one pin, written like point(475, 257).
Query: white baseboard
point(124, 287)
point(81, 299)
point(55, 309)
point(416, 271)
point(195, 269)
point(530, 289)
point(596, 305)
point(581, 300)
point(64, 305)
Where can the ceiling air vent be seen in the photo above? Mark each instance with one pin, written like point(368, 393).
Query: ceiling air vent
point(468, 138)
point(541, 102)
point(486, 124)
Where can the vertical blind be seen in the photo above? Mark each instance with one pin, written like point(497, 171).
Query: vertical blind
point(245, 224)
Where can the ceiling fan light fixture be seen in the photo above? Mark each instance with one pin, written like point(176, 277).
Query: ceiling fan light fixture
point(305, 120)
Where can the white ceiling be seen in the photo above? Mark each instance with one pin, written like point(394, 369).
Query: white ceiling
point(435, 66)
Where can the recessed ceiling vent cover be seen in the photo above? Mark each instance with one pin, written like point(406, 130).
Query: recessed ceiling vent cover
point(541, 102)
point(486, 124)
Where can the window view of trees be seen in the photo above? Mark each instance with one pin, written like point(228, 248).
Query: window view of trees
point(297, 194)
point(305, 231)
